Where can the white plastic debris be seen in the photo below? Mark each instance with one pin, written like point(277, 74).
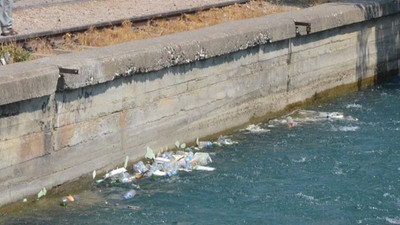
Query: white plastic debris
point(177, 144)
point(204, 144)
point(255, 128)
point(94, 174)
point(335, 115)
point(3, 61)
point(150, 154)
point(162, 160)
point(115, 172)
point(159, 173)
point(204, 168)
point(42, 193)
point(224, 141)
point(126, 162)
point(202, 158)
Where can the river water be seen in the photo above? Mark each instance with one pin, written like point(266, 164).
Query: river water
point(337, 171)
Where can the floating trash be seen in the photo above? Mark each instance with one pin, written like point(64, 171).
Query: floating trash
point(255, 128)
point(202, 158)
point(166, 164)
point(290, 121)
point(67, 199)
point(224, 141)
point(126, 178)
point(115, 172)
point(42, 193)
point(204, 168)
point(307, 116)
point(149, 154)
point(128, 195)
point(126, 162)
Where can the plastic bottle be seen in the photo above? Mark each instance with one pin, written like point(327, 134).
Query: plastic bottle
point(205, 144)
point(126, 178)
point(154, 167)
point(171, 168)
point(128, 195)
point(189, 162)
point(139, 167)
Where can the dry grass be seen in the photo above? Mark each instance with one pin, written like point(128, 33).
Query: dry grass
point(128, 32)
point(41, 46)
point(12, 53)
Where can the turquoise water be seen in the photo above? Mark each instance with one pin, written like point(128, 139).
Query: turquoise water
point(321, 172)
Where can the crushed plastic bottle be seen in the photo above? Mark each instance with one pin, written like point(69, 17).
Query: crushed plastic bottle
point(171, 168)
point(202, 158)
point(128, 195)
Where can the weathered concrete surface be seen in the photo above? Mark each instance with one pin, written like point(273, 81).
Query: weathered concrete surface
point(179, 87)
point(23, 81)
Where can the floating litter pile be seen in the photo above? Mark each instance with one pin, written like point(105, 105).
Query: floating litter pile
point(306, 116)
point(166, 164)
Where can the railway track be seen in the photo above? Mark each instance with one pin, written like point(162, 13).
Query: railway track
point(57, 35)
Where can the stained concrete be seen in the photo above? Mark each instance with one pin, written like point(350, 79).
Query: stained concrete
point(179, 87)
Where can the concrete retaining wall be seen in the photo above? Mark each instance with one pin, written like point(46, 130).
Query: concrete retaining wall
point(56, 125)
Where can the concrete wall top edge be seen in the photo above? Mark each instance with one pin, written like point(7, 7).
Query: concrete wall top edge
point(22, 81)
point(108, 63)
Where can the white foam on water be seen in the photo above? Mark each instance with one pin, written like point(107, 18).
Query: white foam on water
point(307, 116)
point(356, 106)
point(348, 128)
point(307, 197)
point(301, 160)
point(388, 195)
point(393, 220)
point(338, 171)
